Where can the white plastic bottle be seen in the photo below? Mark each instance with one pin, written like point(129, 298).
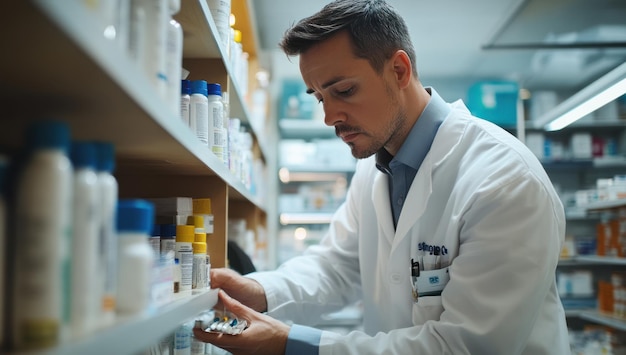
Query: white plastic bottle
point(42, 235)
point(199, 111)
point(85, 305)
point(185, 98)
point(155, 241)
point(216, 132)
point(107, 255)
point(226, 124)
point(199, 273)
point(135, 220)
point(154, 43)
point(220, 11)
point(184, 255)
point(174, 56)
point(137, 32)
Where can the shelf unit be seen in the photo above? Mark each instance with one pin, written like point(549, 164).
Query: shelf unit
point(59, 66)
point(135, 334)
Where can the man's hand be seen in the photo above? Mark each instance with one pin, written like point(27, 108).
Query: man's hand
point(245, 290)
point(264, 335)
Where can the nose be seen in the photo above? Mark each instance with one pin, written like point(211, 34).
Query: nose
point(332, 115)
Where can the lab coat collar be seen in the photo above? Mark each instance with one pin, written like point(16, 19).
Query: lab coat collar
point(445, 142)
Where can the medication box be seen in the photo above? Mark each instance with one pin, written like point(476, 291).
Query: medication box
point(494, 101)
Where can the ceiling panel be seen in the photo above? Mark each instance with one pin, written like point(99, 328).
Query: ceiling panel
point(453, 37)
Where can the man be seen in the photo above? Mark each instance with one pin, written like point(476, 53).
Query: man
point(451, 229)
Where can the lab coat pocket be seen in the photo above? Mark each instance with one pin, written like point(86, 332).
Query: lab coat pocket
point(427, 308)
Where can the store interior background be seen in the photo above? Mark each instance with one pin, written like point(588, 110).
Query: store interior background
point(514, 60)
point(550, 49)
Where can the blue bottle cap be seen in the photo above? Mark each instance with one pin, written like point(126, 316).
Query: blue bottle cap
point(105, 156)
point(168, 231)
point(199, 87)
point(156, 230)
point(83, 155)
point(214, 89)
point(49, 134)
point(185, 87)
point(135, 215)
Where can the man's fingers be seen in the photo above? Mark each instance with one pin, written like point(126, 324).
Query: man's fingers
point(234, 306)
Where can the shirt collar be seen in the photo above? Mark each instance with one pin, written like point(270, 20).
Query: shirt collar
point(420, 138)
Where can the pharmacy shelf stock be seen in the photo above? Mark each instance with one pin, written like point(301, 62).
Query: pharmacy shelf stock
point(61, 67)
point(604, 319)
point(198, 25)
point(600, 206)
point(136, 334)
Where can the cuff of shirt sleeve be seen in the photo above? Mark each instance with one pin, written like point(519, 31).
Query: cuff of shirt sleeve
point(303, 340)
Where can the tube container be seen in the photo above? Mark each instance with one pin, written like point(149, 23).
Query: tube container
point(42, 234)
point(85, 304)
point(135, 220)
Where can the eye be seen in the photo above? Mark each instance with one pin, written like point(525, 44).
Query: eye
point(346, 92)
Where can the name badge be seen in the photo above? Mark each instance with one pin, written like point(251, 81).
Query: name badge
point(431, 282)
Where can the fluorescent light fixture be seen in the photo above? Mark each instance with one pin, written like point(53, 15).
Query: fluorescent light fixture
point(597, 94)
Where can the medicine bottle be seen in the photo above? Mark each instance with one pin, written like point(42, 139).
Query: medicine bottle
point(107, 258)
point(220, 11)
point(199, 273)
point(155, 240)
point(217, 134)
point(173, 55)
point(199, 111)
point(85, 304)
point(135, 220)
point(184, 255)
point(202, 207)
point(155, 32)
point(197, 221)
point(42, 239)
point(185, 97)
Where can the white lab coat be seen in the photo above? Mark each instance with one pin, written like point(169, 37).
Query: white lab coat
point(485, 198)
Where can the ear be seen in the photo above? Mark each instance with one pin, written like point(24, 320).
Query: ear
point(402, 68)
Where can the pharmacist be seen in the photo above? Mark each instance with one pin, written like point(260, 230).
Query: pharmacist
point(451, 230)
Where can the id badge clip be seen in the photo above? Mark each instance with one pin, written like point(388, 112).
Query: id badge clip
point(431, 282)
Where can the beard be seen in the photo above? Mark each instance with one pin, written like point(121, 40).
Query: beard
point(375, 140)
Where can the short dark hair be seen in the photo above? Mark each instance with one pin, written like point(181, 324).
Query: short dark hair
point(376, 29)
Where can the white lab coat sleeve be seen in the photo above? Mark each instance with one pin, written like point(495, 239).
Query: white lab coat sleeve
point(510, 239)
point(325, 278)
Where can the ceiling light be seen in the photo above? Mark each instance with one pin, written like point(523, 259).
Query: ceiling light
point(597, 94)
